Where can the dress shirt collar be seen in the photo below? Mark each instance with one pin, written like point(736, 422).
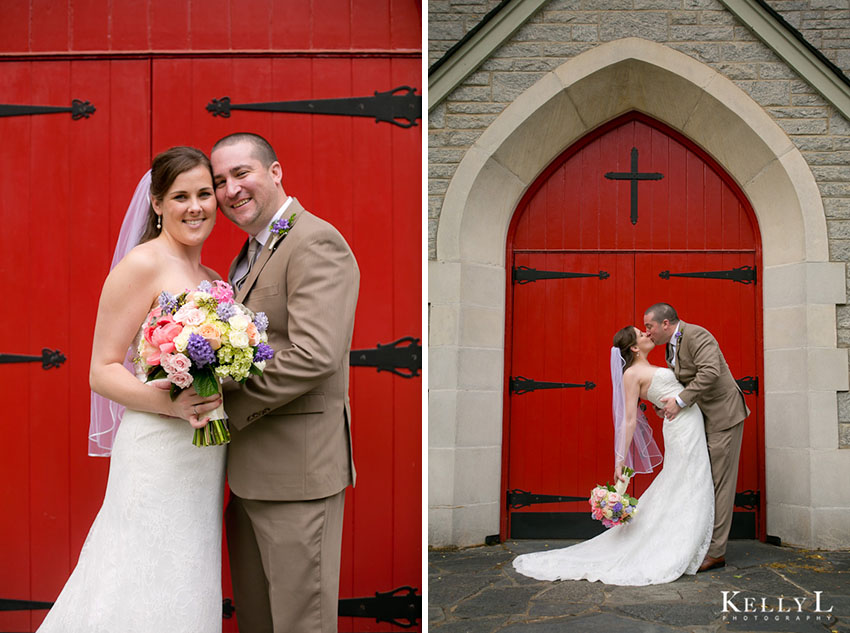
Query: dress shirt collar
point(263, 236)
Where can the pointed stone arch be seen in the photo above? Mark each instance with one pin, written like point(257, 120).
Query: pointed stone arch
point(803, 366)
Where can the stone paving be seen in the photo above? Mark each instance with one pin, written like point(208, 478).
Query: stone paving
point(476, 590)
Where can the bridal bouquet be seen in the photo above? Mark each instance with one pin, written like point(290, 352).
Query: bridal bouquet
point(611, 505)
point(199, 337)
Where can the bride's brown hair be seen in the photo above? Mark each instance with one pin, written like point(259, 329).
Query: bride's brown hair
point(625, 339)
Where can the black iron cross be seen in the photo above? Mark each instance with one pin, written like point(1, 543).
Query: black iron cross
point(634, 175)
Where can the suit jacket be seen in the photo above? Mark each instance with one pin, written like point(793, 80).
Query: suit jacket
point(291, 426)
point(701, 368)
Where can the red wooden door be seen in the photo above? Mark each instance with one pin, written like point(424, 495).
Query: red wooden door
point(72, 180)
point(587, 257)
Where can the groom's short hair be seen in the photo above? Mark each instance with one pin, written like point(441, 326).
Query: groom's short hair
point(262, 149)
point(662, 311)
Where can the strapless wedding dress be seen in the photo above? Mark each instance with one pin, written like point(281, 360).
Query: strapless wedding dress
point(152, 560)
point(670, 534)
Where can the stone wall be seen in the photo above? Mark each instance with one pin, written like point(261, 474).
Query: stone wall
point(702, 29)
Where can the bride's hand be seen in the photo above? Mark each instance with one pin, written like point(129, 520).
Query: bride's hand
point(188, 405)
point(618, 474)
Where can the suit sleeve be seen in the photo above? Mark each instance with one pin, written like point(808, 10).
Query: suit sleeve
point(322, 281)
point(705, 352)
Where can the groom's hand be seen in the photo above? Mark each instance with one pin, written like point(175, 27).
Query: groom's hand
point(671, 408)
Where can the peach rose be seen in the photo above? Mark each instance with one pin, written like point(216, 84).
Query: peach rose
point(212, 334)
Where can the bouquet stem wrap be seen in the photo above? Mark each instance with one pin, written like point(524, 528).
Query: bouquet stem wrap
point(215, 432)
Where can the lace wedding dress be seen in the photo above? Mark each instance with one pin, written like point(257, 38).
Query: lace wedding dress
point(669, 535)
point(152, 560)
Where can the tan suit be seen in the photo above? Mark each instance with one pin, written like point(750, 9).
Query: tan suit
point(702, 369)
point(290, 459)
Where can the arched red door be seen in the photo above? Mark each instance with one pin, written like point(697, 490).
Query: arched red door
point(631, 215)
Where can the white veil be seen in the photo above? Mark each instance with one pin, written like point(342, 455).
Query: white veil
point(105, 414)
point(642, 455)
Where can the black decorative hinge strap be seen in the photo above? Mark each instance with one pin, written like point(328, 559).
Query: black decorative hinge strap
point(742, 275)
point(49, 359)
point(391, 606)
point(79, 109)
point(526, 275)
point(517, 498)
point(749, 384)
point(387, 107)
point(391, 357)
point(748, 499)
point(520, 385)
point(23, 605)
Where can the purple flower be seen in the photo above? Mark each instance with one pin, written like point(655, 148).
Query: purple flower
point(225, 311)
point(261, 321)
point(264, 352)
point(168, 302)
point(199, 350)
point(205, 286)
point(617, 507)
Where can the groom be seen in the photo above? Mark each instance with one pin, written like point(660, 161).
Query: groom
point(695, 357)
point(290, 459)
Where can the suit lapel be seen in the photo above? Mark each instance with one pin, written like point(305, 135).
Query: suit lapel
point(678, 347)
point(269, 248)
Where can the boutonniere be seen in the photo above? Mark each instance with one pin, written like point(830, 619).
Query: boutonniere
point(677, 336)
point(279, 228)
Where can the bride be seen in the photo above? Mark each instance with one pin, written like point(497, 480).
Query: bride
point(152, 559)
point(670, 533)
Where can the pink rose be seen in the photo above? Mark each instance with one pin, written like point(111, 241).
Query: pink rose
point(163, 334)
point(189, 315)
point(176, 363)
point(181, 379)
point(613, 498)
point(222, 291)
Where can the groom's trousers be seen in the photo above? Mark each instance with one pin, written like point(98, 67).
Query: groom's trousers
point(284, 562)
point(724, 451)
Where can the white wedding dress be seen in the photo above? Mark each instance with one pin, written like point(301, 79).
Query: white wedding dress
point(671, 531)
point(152, 560)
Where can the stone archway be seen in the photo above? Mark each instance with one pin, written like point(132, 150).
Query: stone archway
point(803, 367)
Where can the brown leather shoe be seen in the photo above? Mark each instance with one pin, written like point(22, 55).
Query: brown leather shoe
point(712, 563)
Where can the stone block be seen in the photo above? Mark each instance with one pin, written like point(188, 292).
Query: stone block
point(472, 524)
point(683, 17)
point(747, 52)
point(838, 125)
point(507, 87)
point(443, 325)
point(738, 71)
point(442, 367)
point(823, 420)
point(480, 420)
point(820, 325)
point(783, 286)
point(443, 283)
point(440, 527)
point(482, 327)
point(829, 528)
point(825, 282)
point(785, 370)
point(483, 286)
point(769, 93)
point(786, 420)
point(807, 144)
point(826, 465)
point(585, 33)
point(441, 476)
point(442, 418)
point(827, 369)
point(785, 327)
point(836, 173)
point(645, 24)
point(468, 121)
point(791, 523)
point(477, 476)
point(701, 33)
point(481, 369)
point(844, 435)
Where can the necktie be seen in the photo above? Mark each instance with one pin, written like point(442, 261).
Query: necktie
point(671, 354)
point(253, 247)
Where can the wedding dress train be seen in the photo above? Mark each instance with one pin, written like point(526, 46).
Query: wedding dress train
point(152, 560)
point(670, 534)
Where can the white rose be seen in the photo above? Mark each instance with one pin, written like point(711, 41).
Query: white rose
point(182, 339)
point(239, 322)
point(238, 339)
point(261, 365)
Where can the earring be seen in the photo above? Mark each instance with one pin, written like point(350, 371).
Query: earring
point(158, 222)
